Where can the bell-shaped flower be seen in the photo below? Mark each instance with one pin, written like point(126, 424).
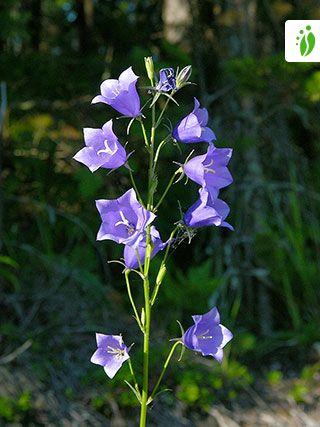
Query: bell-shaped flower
point(131, 255)
point(111, 353)
point(121, 94)
point(193, 127)
point(207, 335)
point(210, 170)
point(102, 150)
point(124, 220)
point(207, 211)
point(167, 81)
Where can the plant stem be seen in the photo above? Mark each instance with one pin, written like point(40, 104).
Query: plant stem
point(162, 144)
point(162, 266)
point(146, 327)
point(132, 301)
point(135, 187)
point(166, 363)
point(134, 377)
point(144, 132)
point(162, 112)
point(146, 286)
point(167, 188)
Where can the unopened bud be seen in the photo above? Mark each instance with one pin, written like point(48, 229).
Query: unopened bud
point(143, 317)
point(183, 76)
point(149, 67)
point(161, 274)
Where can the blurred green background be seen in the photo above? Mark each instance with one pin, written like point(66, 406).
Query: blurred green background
point(57, 289)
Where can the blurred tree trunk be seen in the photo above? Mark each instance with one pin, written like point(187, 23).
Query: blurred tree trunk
point(198, 42)
point(3, 110)
point(85, 21)
point(176, 16)
point(247, 19)
point(35, 22)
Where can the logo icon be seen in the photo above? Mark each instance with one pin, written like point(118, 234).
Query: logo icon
point(302, 40)
point(306, 40)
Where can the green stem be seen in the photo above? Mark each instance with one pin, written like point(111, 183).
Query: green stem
point(162, 269)
point(135, 186)
point(134, 378)
point(132, 301)
point(166, 363)
point(144, 132)
point(167, 188)
point(146, 339)
point(146, 286)
point(162, 112)
point(162, 143)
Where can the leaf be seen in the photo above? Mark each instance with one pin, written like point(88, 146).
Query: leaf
point(9, 261)
point(154, 184)
point(155, 98)
point(134, 390)
point(170, 97)
point(11, 278)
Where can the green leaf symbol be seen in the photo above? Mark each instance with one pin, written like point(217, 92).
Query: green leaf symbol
point(307, 44)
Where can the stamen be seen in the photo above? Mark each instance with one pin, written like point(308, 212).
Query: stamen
point(118, 353)
point(115, 92)
point(107, 149)
point(204, 336)
point(207, 167)
point(126, 223)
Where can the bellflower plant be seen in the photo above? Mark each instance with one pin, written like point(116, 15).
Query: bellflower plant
point(129, 219)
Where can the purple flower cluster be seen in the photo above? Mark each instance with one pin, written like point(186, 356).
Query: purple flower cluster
point(208, 170)
point(126, 221)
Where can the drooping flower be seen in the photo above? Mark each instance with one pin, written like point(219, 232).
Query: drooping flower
point(167, 81)
point(111, 353)
point(207, 210)
point(102, 150)
point(124, 220)
point(207, 335)
point(210, 170)
point(121, 94)
point(193, 127)
point(130, 252)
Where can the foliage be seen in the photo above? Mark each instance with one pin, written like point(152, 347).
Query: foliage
point(265, 274)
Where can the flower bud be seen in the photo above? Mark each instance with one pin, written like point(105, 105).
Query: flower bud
point(161, 274)
point(149, 67)
point(183, 76)
point(143, 317)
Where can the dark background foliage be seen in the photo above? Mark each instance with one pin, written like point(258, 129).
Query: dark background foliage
point(56, 286)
